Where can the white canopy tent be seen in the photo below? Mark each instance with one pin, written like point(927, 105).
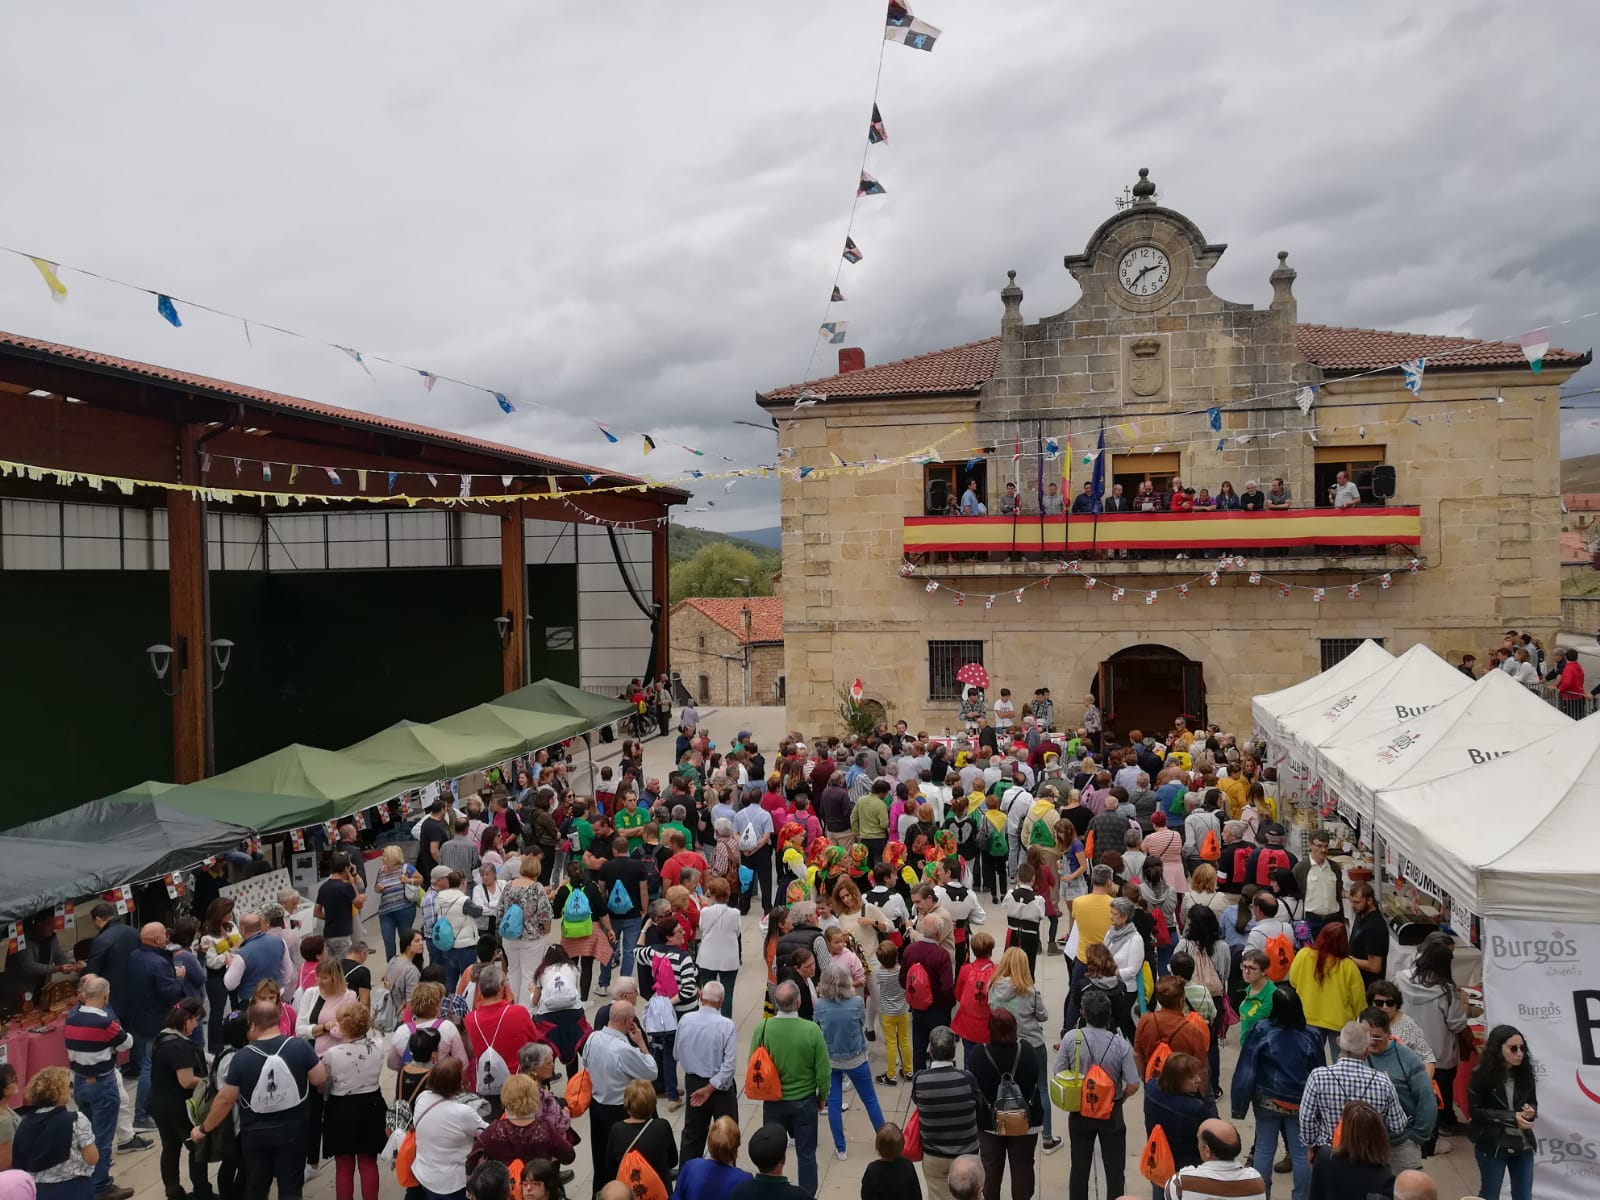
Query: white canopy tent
point(1538, 859)
point(1487, 719)
point(1413, 682)
point(1359, 663)
point(1404, 690)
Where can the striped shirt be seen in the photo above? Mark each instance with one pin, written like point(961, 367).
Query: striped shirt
point(947, 1099)
point(94, 1039)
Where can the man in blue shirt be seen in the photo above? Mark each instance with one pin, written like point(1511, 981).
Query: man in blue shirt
point(971, 505)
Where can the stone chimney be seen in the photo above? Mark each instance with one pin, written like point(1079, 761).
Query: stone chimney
point(1011, 298)
point(852, 358)
point(744, 613)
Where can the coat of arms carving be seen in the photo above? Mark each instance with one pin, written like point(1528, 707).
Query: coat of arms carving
point(1146, 371)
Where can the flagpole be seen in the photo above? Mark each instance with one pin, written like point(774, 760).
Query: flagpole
point(1038, 486)
point(1099, 501)
point(1016, 503)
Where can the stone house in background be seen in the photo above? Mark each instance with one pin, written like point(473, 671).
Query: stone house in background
point(730, 651)
point(1455, 537)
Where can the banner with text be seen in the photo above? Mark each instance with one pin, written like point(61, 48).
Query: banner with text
point(1544, 978)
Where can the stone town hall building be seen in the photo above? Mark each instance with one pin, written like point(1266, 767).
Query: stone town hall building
point(1144, 353)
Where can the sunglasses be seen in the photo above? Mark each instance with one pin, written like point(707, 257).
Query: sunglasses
point(1383, 1004)
point(1516, 1049)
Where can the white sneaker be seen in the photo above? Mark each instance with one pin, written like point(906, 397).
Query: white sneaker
point(841, 1155)
point(848, 1086)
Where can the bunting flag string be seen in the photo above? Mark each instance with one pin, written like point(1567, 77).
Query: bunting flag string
point(875, 129)
point(869, 186)
point(903, 27)
point(852, 255)
point(909, 570)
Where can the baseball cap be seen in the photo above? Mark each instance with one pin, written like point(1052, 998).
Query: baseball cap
point(438, 873)
point(1273, 830)
point(768, 1146)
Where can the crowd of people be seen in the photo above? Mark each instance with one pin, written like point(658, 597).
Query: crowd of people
point(908, 892)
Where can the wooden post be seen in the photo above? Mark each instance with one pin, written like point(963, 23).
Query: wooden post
point(513, 597)
point(186, 606)
point(659, 584)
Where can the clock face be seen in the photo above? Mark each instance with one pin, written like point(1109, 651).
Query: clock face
point(1144, 271)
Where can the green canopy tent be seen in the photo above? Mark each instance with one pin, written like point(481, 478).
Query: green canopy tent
point(552, 696)
point(258, 811)
point(426, 752)
point(127, 838)
point(512, 730)
point(333, 782)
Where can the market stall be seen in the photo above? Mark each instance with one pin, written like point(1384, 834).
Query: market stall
point(1266, 709)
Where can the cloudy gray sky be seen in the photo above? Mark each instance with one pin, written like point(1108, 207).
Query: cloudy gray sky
point(633, 210)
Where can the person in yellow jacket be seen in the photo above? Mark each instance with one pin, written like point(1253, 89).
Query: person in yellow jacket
point(1235, 788)
point(1329, 984)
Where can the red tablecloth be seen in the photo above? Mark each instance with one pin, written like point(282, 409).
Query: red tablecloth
point(30, 1052)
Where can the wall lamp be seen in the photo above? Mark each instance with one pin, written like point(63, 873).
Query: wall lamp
point(162, 655)
point(502, 626)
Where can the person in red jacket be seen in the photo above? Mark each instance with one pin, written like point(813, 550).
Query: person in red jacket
point(970, 1022)
point(928, 954)
point(1569, 687)
point(499, 1024)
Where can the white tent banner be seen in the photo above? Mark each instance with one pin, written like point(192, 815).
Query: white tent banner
point(1360, 662)
point(1544, 978)
point(1489, 719)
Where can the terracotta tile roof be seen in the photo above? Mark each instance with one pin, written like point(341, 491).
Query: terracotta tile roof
point(294, 404)
point(1581, 501)
point(1331, 347)
point(766, 616)
point(958, 369)
point(1336, 348)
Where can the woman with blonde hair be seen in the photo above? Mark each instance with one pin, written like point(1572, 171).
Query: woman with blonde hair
point(426, 1000)
point(525, 950)
point(53, 1143)
point(319, 1006)
point(1203, 893)
point(716, 1175)
point(267, 992)
point(1012, 988)
point(396, 887)
point(354, 1112)
point(520, 1132)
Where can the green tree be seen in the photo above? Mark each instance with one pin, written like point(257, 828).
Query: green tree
point(715, 570)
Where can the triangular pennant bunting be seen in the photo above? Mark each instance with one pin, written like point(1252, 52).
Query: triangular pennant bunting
point(869, 186)
point(851, 254)
point(165, 307)
point(46, 268)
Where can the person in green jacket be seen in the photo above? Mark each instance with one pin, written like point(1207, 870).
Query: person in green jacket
point(869, 820)
point(1406, 1071)
point(800, 1055)
point(1258, 990)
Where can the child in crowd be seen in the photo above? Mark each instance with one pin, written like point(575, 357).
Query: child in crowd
point(840, 954)
point(894, 1014)
point(1195, 995)
point(891, 1175)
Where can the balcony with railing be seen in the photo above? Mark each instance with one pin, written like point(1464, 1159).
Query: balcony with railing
point(1361, 538)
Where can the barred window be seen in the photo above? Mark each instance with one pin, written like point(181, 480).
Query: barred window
point(944, 660)
point(1336, 650)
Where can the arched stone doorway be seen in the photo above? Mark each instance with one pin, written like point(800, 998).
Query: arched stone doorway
point(1145, 686)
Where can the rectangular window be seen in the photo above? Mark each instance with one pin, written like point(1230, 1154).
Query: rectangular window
point(944, 660)
point(1355, 461)
point(943, 483)
point(1336, 650)
point(705, 688)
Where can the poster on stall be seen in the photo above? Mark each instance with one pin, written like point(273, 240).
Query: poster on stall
point(1544, 978)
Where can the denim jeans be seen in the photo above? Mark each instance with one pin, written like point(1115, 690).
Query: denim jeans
point(799, 1118)
point(98, 1101)
point(454, 962)
point(1270, 1125)
point(1041, 1068)
point(861, 1077)
point(662, 1046)
point(141, 1097)
point(627, 930)
point(391, 924)
point(1493, 1169)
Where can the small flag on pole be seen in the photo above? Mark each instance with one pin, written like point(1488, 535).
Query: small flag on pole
point(58, 290)
point(875, 131)
point(609, 436)
point(649, 443)
point(165, 307)
point(837, 297)
point(428, 380)
point(900, 26)
point(505, 405)
point(833, 331)
point(1413, 373)
point(851, 254)
point(1535, 345)
point(869, 186)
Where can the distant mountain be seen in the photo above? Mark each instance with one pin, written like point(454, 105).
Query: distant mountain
point(771, 536)
point(684, 541)
point(1581, 474)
